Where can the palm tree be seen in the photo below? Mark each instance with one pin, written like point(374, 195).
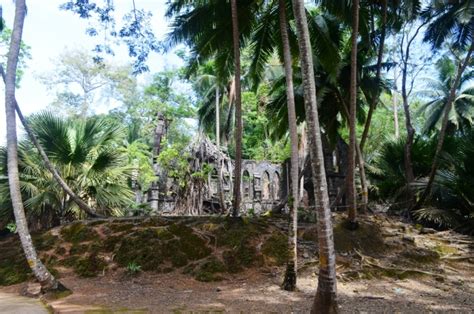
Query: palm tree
point(82, 205)
point(325, 300)
point(450, 22)
point(208, 84)
point(289, 283)
point(46, 279)
point(351, 190)
point(438, 94)
point(238, 111)
point(204, 26)
point(86, 153)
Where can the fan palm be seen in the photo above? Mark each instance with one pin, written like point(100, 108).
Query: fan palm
point(452, 23)
point(438, 93)
point(87, 156)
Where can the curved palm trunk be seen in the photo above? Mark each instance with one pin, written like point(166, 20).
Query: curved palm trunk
point(289, 283)
point(47, 281)
point(80, 203)
point(442, 133)
point(351, 189)
point(219, 161)
point(238, 112)
point(325, 299)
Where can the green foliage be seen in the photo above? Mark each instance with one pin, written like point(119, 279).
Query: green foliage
point(89, 266)
point(80, 82)
point(87, 156)
point(23, 57)
point(450, 202)
point(11, 227)
point(133, 268)
point(437, 93)
point(275, 249)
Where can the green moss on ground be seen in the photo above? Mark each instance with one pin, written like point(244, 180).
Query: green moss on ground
point(121, 227)
point(79, 232)
point(275, 249)
point(13, 266)
point(45, 241)
point(89, 266)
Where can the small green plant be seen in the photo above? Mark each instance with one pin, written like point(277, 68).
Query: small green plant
point(133, 268)
point(11, 227)
point(251, 212)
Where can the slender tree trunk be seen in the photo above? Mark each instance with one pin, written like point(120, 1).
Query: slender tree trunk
point(289, 282)
point(408, 163)
point(325, 299)
point(373, 105)
point(46, 279)
point(442, 133)
point(395, 105)
point(409, 174)
point(351, 189)
point(219, 161)
point(80, 203)
point(374, 102)
point(238, 112)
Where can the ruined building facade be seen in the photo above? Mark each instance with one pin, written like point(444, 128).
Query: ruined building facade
point(265, 185)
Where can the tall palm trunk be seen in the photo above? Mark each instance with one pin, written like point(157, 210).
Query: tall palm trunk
point(325, 299)
point(46, 279)
point(238, 112)
point(442, 133)
point(374, 102)
point(80, 203)
point(351, 189)
point(219, 161)
point(289, 283)
point(365, 133)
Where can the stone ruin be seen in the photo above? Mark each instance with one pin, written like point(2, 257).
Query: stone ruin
point(265, 185)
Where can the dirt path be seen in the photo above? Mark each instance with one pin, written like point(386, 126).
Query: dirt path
point(257, 293)
point(14, 304)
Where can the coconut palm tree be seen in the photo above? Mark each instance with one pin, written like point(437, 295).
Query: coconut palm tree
point(204, 26)
point(351, 187)
point(438, 93)
point(208, 84)
point(46, 279)
point(289, 283)
point(238, 110)
point(450, 23)
point(325, 300)
point(86, 153)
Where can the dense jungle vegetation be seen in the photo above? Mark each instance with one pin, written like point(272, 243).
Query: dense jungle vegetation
point(392, 80)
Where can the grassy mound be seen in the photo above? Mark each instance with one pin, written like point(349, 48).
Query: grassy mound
point(207, 248)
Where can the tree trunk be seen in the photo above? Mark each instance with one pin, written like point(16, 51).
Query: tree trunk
point(374, 102)
point(408, 163)
point(289, 283)
point(351, 189)
point(46, 279)
point(80, 203)
point(238, 112)
point(395, 105)
point(442, 133)
point(325, 299)
point(220, 184)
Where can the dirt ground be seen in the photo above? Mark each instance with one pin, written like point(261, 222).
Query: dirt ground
point(254, 292)
point(394, 274)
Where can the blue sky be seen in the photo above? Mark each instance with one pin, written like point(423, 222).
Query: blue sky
point(49, 31)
